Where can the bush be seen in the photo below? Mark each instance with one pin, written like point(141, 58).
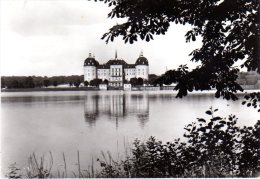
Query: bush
point(215, 147)
point(86, 83)
point(95, 82)
point(77, 83)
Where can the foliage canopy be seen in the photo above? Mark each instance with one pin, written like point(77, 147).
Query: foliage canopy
point(230, 31)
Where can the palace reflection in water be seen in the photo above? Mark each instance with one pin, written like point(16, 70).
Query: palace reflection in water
point(116, 107)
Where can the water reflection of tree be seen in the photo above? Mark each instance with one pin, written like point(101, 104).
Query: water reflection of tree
point(143, 119)
point(90, 119)
point(91, 109)
point(116, 107)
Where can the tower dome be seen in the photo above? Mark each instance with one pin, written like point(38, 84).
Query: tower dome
point(141, 60)
point(90, 61)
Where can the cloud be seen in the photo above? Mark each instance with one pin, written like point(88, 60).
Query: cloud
point(53, 18)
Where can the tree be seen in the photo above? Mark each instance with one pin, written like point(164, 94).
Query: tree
point(140, 81)
point(152, 78)
point(230, 31)
point(55, 83)
point(134, 81)
point(38, 81)
point(2, 83)
point(29, 82)
point(14, 84)
point(77, 83)
point(106, 81)
point(86, 83)
point(95, 82)
point(46, 82)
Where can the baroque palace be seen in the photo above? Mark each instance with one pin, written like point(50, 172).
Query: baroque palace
point(116, 71)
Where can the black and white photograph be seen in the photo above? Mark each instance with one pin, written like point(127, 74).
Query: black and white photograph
point(130, 88)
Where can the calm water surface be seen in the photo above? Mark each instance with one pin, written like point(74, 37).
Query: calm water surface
point(91, 122)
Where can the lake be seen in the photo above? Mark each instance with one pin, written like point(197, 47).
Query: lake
point(95, 121)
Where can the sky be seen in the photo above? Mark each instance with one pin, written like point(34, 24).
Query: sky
point(54, 37)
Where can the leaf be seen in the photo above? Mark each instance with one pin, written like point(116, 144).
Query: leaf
point(147, 38)
point(218, 126)
point(209, 112)
point(222, 122)
point(247, 97)
point(201, 120)
point(216, 118)
point(210, 124)
point(203, 129)
point(193, 38)
point(217, 94)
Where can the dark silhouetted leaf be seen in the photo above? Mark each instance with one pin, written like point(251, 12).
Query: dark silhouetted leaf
point(209, 112)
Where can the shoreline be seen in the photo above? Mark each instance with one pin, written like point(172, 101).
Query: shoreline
point(97, 89)
point(50, 89)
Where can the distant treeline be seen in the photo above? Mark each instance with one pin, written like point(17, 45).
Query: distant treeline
point(248, 78)
point(13, 82)
point(38, 81)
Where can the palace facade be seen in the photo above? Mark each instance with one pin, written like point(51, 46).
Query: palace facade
point(116, 70)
